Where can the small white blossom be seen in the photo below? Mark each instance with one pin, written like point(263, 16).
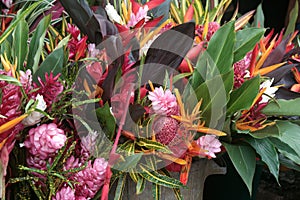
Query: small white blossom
point(270, 91)
point(35, 117)
point(113, 14)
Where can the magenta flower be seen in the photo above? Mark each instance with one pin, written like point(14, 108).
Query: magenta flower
point(211, 144)
point(65, 193)
point(91, 179)
point(240, 70)
point(212, 28)
point(77, 46)
point(140, 15)
point(26, 80)
point(50, 88)
point(165, 129)
point(163, 102)
point(45, 140)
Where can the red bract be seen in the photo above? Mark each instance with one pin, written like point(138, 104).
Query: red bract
point(50, 88)
point(77, 46)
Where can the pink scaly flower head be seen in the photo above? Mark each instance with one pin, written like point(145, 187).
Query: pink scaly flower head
point(210, 144)
point(44, 141)
point(10, 106)
point(91, 179)
point(240, 70)
point(26, 80)
point(165, 129)
point(212, 28)
point(36, 162)
point(163, 102)
point(65, 193)
point(50, 88)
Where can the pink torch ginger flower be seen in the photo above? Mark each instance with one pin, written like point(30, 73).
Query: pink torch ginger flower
point(163, 102)
point(211, 144)
point(45, 140)
point(65, 193)
point(165, 129)
point(240, 70)
point(90, 179)
point(26, 80)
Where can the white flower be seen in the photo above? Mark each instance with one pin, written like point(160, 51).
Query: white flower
point(113, 14)
point(270, 91)
point(35, 117)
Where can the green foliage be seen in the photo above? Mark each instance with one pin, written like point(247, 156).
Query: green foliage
point(283, 107)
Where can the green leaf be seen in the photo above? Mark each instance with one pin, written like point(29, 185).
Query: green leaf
point(246, 39)
point(21, 15)
point(243, 97)
point(107, 120)
point(283, 108)
point(20, 37)
point(268, 154)
point(155, 177)
point(177, 194)
point(53, 63)
point(120, 187)
point(215, 94)
point(140, 185)
point(129, 163)
point(10, 79)
point(243, 159)
point(220, 47)
point(37, 43)
point(293, 17)
point(288, 163)
point(259, 18)
point(153, 145)
point(156, 191)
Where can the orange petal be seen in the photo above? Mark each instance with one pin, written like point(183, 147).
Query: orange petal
point(10, 124)
point(189, 14)
point(184, 174)
point(268, 69)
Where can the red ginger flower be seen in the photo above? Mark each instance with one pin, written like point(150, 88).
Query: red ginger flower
point(50, 88)
point(77, 46)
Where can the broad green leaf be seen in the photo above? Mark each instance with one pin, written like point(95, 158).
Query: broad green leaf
point(10, 79)
point(220, 47)
point(6, 47)
point(288, 163)
point(243, 159)
point(268, 154)
point(120, 187)
point(107, 120)
point(155, 177)
point(63, 42)
point(153, 145)
point(214, 94)
point(20, 37)
point(293, 17)
point(37, 43)
point(53, 63)
point(246, 39)
point(129, 163)
point(283, 108)
point(243, 97)
point(259, 18)
point(140, 185)
point(21, 15)
point(156, 191)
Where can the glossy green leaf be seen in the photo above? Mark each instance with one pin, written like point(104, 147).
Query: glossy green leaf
point(140, 185)
point(10, 79)
point(283, 107)
point(20, 47)
point(53, 63)
point(293, 17)
point(268, 154)
point(243, 97)
point(214, 94)
point(156, 191)
point(269, 131)
point(220, 47)
point(129, 162)
point(246, 39)
point(155, 177)
point(259, 18)
point(120, 187)
point(244, 161)
point(107, 120)
point(37, 43)
point(288, 163)
point(20, 16)
point(153, 145)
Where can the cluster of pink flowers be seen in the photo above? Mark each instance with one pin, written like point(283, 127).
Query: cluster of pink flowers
point(212, 28)
point(240, 70)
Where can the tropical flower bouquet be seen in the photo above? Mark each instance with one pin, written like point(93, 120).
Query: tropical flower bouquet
point(96, 93)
